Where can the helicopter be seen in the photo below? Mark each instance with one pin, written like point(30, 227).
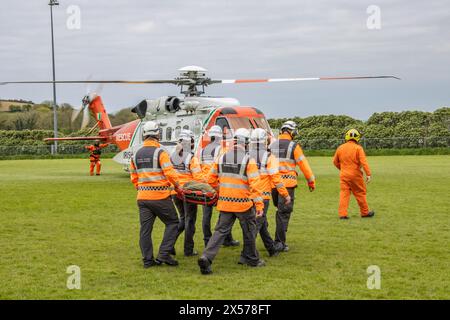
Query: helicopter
point(190, 110)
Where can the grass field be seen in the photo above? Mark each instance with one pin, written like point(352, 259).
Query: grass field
point(54, 215)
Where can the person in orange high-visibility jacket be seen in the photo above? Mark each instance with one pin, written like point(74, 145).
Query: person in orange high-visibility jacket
point(349, 159)
point(239, 193)
point(153, 175)
point(187, 166)
point(94, 157)
point(290, 155)
point(208, 156)
point(269, 176)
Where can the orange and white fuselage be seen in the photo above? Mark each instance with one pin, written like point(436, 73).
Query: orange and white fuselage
point(198, 114)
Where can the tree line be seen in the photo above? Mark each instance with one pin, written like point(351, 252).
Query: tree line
point(407, 129)
point(40, 117)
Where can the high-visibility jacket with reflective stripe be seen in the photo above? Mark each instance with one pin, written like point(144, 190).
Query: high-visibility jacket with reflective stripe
point(152, 172)
point(209, 155)
point(269, 175)
point(187, 167)
point(237, 176)
point(290, 155)
point(350, 158)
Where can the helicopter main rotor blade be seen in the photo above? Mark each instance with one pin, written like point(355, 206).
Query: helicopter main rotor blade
point(85, 120)
point(75, 114)
point(301, 79)
point(93, 81)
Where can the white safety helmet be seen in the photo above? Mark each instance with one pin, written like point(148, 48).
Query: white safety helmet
point(150, 129)
point(258, 135)
point(215, 131)
point(291, 126)
point(186, 134)
point(242, 135)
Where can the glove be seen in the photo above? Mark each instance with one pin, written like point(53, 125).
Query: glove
point(312, 186)
point(368, 179)
point(287, 200)
point(259, 213)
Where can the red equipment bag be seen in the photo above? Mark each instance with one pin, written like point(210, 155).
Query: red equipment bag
point(198, 193)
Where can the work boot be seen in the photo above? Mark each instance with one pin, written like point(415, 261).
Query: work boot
point(151, 263)
point(259, 263)
point(232, 243)
point(242, 260)
point(344, 218)
point(278, 246)
point(191, 254)
point(97, 174)
point(369, 215)
point(167, 260)
point(273, 252)
point(205, 265)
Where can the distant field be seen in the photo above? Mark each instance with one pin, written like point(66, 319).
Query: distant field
point(52, 215)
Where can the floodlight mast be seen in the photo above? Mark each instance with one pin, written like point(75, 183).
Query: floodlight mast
point(55, 111)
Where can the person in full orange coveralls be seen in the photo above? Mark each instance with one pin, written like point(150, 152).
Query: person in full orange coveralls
point(349, 159)
point(94, 157)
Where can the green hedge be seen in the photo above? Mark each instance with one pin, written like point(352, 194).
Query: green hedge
point(385, 130)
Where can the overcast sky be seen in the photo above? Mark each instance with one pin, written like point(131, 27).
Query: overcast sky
point(132, 39)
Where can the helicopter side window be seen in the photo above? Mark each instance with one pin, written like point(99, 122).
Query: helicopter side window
point(177, 132)
point(169, 134)
point(262, 123)
point(222, 123)
point(241, 122)
point(197, 127)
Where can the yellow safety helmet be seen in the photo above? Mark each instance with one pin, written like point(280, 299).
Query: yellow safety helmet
point(352, 134)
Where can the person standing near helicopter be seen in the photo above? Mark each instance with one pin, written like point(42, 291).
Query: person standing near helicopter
point(239, 198)
point(269, 176)
point(208, 155)
point(350, 158)
point(187, 166)
point(153, 175)
point(290, 155)
point(94, 157)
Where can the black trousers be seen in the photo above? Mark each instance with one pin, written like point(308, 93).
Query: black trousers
point(224, 225)
point(283, 214)
point(206, 226)
point(188, 218)
point(165, 211)
point(263, 229)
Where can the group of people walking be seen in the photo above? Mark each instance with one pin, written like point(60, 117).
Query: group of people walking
point(246, 175)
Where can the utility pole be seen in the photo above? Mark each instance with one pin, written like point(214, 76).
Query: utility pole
point(55, 114)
